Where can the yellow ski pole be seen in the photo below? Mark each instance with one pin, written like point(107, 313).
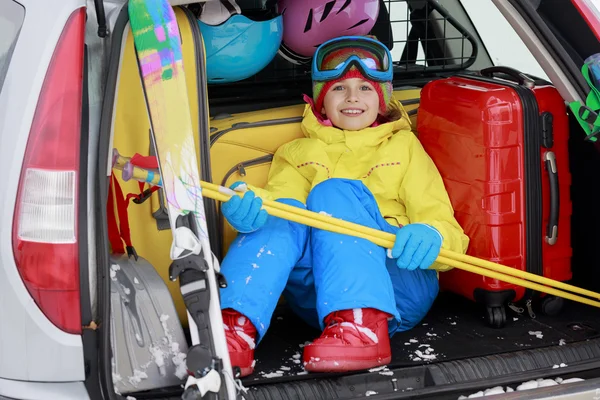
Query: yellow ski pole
point(208, 192)
point(370, 233)
point(384, 239)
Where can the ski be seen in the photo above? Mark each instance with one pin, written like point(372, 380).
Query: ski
point(158, 47)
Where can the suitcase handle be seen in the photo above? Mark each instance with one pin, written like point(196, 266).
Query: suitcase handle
point(552, 228)
point(520, 77)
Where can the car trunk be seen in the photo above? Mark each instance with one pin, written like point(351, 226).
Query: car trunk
point(454, 344)
point(453, 351)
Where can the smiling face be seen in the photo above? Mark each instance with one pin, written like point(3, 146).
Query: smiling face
point(351, 104)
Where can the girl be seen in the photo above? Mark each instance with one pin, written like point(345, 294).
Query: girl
point(359, 161)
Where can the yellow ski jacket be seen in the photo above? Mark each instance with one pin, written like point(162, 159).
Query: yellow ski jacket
point(388, 159)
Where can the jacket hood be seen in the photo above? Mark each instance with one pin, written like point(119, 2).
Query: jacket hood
point(314, 127)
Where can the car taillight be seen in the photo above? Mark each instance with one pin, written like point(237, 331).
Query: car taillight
point(45, 225)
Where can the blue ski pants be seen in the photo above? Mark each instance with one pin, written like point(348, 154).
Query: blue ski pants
point(320, 272)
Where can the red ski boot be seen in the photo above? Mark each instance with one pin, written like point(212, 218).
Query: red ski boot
point(241, 340)
point(352, 340)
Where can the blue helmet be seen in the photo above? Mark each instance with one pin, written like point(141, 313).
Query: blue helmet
point(239, 47)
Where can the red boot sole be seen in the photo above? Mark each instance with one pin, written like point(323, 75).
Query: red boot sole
point(246, 371)
point(244, 360)
point(344, 365)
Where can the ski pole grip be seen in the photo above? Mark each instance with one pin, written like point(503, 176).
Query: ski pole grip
point(130, 171)
point(227, 191)
point(115, 157)
point(241, 189)
point(127, 171)
point(118, 159)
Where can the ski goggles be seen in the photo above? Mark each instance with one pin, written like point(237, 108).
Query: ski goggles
point(335, 57)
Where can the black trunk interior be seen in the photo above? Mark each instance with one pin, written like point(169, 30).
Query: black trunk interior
point(467, 350)
point(469, 356)
point(455, 337)
point(454, 329)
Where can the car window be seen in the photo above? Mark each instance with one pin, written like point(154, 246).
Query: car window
point(11, 20)
point(595, 7)
point(431, 36)
point(575, 37)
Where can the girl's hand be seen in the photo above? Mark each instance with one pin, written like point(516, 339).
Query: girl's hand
point(416, 246)
point(244, 214)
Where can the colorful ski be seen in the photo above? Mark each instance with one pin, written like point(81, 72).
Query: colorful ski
point(158, 46)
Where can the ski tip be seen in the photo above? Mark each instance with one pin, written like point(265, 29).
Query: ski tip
point(156, 36)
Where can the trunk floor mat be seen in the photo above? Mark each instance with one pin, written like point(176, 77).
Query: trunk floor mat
point(455, 328)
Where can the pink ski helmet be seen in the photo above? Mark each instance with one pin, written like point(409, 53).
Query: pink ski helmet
point(309, 23)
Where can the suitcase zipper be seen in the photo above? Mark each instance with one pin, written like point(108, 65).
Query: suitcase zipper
point(280, 121)
point(521, 310)
point(245, 125)
point(516, 308)
point(241, 167)
point(529, 306)
point(533, 188)
point(210, 206)
point(203, 126)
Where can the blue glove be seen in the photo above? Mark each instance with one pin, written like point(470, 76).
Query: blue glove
point(244, 214)
point(416, 246)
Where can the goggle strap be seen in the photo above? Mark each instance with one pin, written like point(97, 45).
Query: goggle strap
point(380, 55)
point(366, 72)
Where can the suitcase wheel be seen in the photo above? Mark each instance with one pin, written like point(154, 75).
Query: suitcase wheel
point(552, 305)
point(496, 316)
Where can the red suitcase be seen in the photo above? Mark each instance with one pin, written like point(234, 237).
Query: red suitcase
point(501, 148)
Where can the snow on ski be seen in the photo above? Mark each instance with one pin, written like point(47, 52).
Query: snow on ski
point(158, 46)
